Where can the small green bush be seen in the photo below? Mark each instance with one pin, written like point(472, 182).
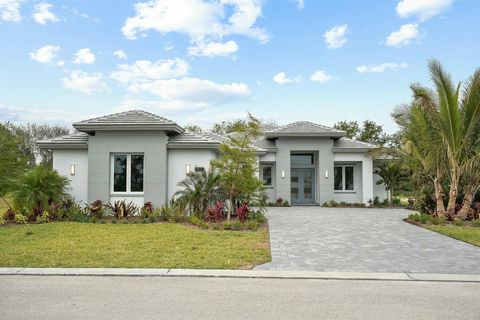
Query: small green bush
point(376, 201)
point(114, 221)
point(458, 222)
point(2, 220)
point(438, 221)
point(252, 225)
point(76, 214)
point(20, 218)
point(44, 218)
point(216, 226)
point(237, 226)
point(227, 226)
point(396, 202)
point(257, 216)
point(420, 218)
point(476, 223)
point(177, 215)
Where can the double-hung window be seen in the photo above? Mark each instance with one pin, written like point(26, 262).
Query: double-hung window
point(266, 171)
point(343, 180)
point(127, 173)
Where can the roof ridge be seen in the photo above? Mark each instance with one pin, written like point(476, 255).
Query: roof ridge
point(358, 141)
point(305, 122)
point(151, 115)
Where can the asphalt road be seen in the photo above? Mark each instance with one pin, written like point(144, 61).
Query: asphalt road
point(85, 297)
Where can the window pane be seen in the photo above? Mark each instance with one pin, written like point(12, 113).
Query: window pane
point(199, 169)
point(299, 159)
point(120, 173)
point(136, 179)
point(338, 185)
point(267, 175)
point(349, 178)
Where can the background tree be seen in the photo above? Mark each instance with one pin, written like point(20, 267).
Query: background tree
point(193, 128)
point(29, 134)
point(238, 164)
point(392, 176)
point(369, 132)
point(12, 162)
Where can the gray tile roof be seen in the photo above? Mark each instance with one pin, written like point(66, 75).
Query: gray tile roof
point(129, 120)
point(75, 140)
point(193, 139)
point(346, 143)
point(304, 129)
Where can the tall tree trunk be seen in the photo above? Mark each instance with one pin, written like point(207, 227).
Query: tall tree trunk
point(229, 211)
point(467, 201)
point(439, 197)
point(452, 195)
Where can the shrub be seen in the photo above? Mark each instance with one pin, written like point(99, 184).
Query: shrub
point(458, 222)
point(121, 209)
point(420, 218)
point(96, 209)
point(76, 214)
point(279, 201)
point(38, 188)
point(114, 221)
point(147, 210)
point(43, 218)
point(216, 212)
point(227, 226)
point(237, 226)
point(438, 221)
point(252, 225)
point(197, 221)
point(176, 215)
point(286, 203)
point(2, 220)
point(216, 226)
point(20, 218)
point(476, 223)
point(242, 212)
point(396, 202)
point(9, 214)
point(257, 216)
point(385, 202)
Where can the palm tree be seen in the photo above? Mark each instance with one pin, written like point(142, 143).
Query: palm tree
point(38, 188)
point(392, 175)
point(197, 191)
point(423, 148)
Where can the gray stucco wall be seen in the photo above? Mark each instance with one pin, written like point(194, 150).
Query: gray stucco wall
point(151, 143)
point(62, 159)
point(322, 148)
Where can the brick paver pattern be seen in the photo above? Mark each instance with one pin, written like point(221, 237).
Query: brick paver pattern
point(362, 240)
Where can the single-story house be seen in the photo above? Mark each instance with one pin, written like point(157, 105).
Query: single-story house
point(141, 157)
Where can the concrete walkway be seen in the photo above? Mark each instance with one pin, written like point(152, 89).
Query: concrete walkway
point(362, 240)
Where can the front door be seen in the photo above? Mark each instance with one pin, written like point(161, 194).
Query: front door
point(302, 185)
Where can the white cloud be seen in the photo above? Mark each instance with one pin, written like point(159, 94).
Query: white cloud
point(213, 49)
point(10, 10)
point(300, 4)
point(84, 56)
point(42, 13)
point(168, 46)
point(84, 82)
point(161, 106)
point(336, 37)
point(194, 90)
point(120, 54)
point(380, 68)
point(281, 78)
point(403, 36)
point(423, 9)
point(29, 115)
point(321, 76)
point(145, 70)
point(45, 54)
point(201, 20)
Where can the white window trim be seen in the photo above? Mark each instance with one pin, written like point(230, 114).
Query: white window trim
point(271, 175)
point(129, 176)
point(343, 190)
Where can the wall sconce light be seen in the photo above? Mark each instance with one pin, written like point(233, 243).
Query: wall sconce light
point(72, 169)
point(188, 169)
point(283, 174)
point(326, 174)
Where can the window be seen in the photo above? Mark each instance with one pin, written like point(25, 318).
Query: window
point(343, 180)
point(267, 175)
point(301, 159)
point(127, 173)
point(199, 169)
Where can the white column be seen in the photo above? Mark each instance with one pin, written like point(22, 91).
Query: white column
point(367, 179)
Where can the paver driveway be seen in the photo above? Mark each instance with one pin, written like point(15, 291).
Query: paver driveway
point(362, 240)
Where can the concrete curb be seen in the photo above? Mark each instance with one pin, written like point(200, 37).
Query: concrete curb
point(252, 274)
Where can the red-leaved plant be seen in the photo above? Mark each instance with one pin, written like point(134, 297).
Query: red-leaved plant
point(242, 212)
point(10, 214)
point(215, 213)
point(148, 207)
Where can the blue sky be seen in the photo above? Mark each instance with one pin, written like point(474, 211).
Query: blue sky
point(199, 61)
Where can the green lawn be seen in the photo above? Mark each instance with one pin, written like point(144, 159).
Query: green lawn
point(71, 244)
point(467, 234)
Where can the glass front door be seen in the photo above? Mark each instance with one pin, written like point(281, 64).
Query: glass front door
point(302, 185)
